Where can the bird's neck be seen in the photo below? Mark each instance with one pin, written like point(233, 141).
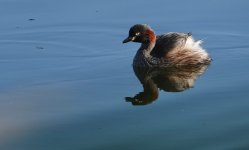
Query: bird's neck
point(148, 46)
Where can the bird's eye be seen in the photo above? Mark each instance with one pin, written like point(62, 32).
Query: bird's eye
point(138, 33)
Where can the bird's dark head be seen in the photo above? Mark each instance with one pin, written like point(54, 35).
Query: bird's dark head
point(141, 33)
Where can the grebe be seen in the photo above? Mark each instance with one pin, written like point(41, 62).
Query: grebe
point(170, 49)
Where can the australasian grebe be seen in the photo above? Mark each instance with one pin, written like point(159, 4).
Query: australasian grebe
point(170, 49)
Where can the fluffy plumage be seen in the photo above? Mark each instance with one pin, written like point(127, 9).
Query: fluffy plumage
point(170, 49)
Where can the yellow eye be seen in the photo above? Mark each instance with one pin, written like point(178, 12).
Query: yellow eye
point(138, 33)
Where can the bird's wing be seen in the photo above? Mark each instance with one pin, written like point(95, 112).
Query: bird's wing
point(169, 41)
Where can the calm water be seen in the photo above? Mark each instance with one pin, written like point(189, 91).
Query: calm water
point(65, 74)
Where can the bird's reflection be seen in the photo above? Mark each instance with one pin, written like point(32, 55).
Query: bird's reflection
point(170, 79)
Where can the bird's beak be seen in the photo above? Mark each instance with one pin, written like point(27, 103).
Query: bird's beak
point(128, 39)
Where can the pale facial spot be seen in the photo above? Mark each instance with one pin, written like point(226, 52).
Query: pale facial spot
point(138, 33)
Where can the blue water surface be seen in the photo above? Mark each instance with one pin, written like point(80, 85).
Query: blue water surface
point(65, 74)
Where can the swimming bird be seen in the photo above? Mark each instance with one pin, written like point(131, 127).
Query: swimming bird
point(169, 49)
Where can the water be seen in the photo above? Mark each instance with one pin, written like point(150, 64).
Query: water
point(65, 74)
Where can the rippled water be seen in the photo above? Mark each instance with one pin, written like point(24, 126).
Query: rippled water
point(65, 74)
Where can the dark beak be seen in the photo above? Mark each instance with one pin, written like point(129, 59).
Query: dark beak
point(127, 40)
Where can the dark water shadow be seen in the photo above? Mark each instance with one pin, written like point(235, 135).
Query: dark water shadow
point(170, 79)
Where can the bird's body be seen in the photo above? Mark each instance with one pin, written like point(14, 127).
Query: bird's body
point(174, 49)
